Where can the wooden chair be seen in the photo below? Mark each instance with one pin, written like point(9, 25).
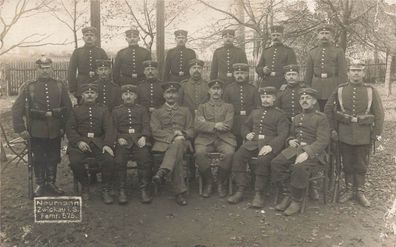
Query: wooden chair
point(17, 146)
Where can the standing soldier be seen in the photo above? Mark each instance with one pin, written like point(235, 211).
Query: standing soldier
point(132, 130)
point(128, 66)
point(224, 57)
point(109, 94)
point(243, 96)
point(46, 105)
point(172, 126)
point(288, 97)
point(265, 131)
point(213, 124)
point(273, 59)
point(356, 118)
point(176, 62)
point(305, 154)
point(326, 67)
point(82, 62)
point(90, 134)
point(150, 93)
point(194, 91)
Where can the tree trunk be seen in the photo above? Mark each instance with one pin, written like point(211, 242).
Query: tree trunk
point(160, 43)
point(95, 18)
point(388, 86)
point(240, 13)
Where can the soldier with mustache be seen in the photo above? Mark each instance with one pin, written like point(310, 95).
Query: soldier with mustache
point(326, 66)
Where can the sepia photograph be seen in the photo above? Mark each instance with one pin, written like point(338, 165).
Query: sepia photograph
point(198, 123)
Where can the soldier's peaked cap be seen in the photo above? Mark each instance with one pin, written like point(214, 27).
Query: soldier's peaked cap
point(103, 63)
point(89, 30)
point(44, 62)
point(181, 33)
point(309, 91)
point(150, 63)
point(326, 27)
point(240, 67)
point(132, 32)
point(228, 31)
point(267, 91)
point(88, 86)
point(277, 29)
point(216, 83)
point(170, 86)
point(195, 61)
point(128, 88)
point(291, 68)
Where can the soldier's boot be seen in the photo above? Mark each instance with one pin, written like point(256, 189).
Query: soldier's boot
point(122, 195)
point(222, 182)
point(259, 185)
point(314, 190)
point(348, 192)
point(160, 176)
point(296, 201)
point(107, 198)
point(144, 178)
point(85, 192)
point(39, 173)
point(359, 181)
point(286, 200)
point(51, 176)
point(207, 180)
point(237, 197)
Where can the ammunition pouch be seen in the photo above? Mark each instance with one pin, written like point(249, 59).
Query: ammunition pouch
point(37, 114)
point(366, 119)
point(343, 118)
point(363, 119)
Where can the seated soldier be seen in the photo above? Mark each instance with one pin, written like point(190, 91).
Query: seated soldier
point(90, 133)
point(309, 137)
point(172, 126)
point(213, 124)
point(265, 130)
point(132, 129)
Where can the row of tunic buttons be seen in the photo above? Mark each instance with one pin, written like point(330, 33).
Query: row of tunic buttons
point(130, 117)
point(228, 61)
point(47, 96)
point(262, 121)
point(300, 131)
point(241, 96)
point(133, 61)
point(181, 62)
point(90, 117)
point(322, 59)
point(354, 101)
point(104, 93)
point(90, 60)
point(274, 59)
point(292, 103)
point(151, 94)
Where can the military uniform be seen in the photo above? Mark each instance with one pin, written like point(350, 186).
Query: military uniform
point(311, 129)
point(82, 64)
point(270, 127)
point(176, 62)
point(128, 66)
point(92, 124)
point(326, 68)
point(355, 111)
point(164, 122)
point(132, 122)
point(49, 106)
point(223, 59)
point(245, 98)
point(288, 99)
point(150, 94)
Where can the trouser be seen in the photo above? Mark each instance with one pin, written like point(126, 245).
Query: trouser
point(201, 155)
point(355, 162)
point(78, 158)
point(173, 161)
point(143, 159)
point(284, 173)
point(322, 103)
point(46, 156)
point(262, 171)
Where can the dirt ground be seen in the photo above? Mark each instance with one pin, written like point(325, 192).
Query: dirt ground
point(206, 222)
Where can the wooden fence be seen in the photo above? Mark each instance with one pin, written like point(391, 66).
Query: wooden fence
point(14, 73)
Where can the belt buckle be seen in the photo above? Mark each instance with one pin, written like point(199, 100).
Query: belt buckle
point(273, 73)
point(91, 74)
point(90, 135)
point(261, 137)
point(131, 131)
point(354, 119)
point(323, 75)
point(181, 73)
point(242, 113)
point(48, 114)
point(229, 74)
point(134, 75)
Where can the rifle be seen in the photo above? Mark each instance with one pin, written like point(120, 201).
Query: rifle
point(337, 170)
point(29, 145)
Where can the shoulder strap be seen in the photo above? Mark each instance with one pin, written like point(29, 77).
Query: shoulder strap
point(370, 99)
point(339, 93)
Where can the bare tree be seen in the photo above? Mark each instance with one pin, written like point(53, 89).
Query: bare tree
point(23, 9)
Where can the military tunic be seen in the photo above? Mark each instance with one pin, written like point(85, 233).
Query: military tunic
point(275, 58)
point(193, 93)
point(222, 61)
point(270, 127)
point(176, 63)
point(150, 94)
point(128, 66)
point(82, 68)
point(244, 97)
point(355, 134)
point(109, 94)
point(311, 129)
point(288, 99)
point(164, 121)
point(210, 140)
point(326, 68)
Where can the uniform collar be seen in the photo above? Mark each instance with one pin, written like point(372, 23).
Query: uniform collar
point(229, 46)
point(88, 46)
point(215, 103)
point(356, 85)
point(171, 107)
point(134, 46)
point(309, 111)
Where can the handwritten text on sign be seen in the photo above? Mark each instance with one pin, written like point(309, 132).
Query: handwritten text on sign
point(64, 209)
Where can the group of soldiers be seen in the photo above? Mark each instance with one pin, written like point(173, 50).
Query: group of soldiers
point(126, 112)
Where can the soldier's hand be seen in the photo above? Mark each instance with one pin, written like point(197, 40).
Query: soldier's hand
point(122, 141)
point(250, 136)
point(83, 146)
point(141, 142)
point(178, 133)
point(221, 126)
point(179, 138)
point(378, 138)
point(334, 135)
point(108, 150)
point(301, 158)
point(265, 150)
point(293, 143)
point(266, 70)
point(24, 135)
